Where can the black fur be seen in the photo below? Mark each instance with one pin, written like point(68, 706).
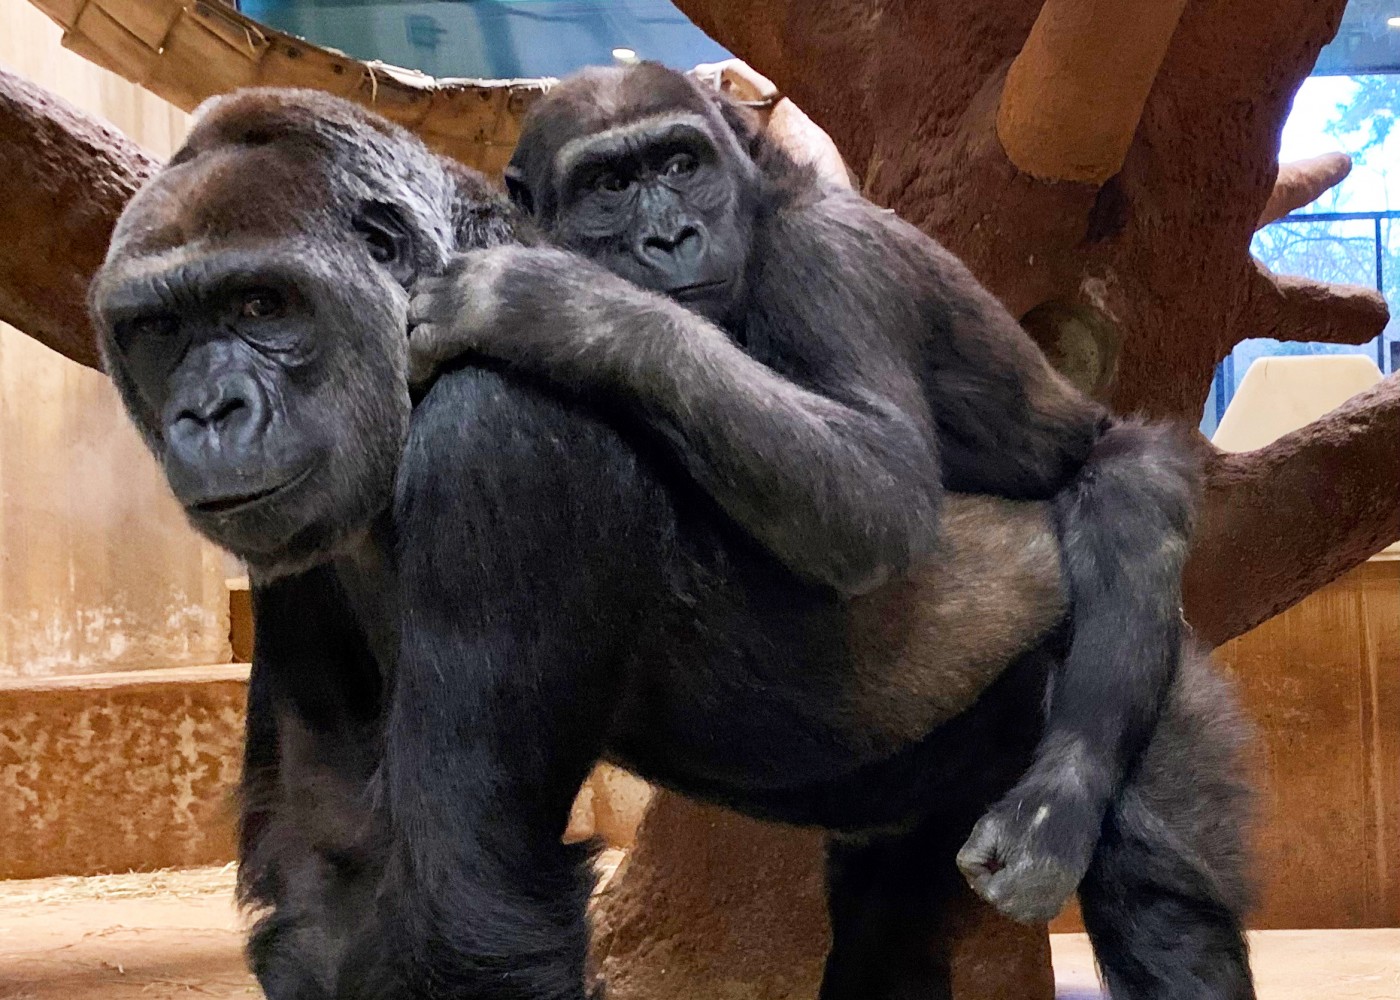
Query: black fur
point(834, 372)
point(540, 585)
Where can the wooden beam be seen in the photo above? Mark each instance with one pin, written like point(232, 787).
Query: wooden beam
point(64, 178)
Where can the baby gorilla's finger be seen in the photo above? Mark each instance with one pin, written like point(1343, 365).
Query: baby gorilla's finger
point(428, 350)
point(422, 305)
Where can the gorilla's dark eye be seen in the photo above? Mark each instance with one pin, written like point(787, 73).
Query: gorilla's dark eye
point(261, 303)
point(680, 165)
point(153, 326)
point(611, 180)
point(381, 246)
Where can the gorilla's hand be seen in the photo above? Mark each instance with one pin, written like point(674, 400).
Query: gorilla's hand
point(449, 312)
point(542, 310)
point(1028, 854)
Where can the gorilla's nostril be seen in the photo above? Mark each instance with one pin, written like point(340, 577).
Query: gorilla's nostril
point(227, 409)
point(214, 414)
point(673, 242)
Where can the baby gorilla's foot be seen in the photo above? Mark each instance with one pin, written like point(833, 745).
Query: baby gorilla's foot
point(1030, 851)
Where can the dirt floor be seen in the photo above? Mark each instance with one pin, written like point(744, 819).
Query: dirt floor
point(122, 937)
point(177, 935)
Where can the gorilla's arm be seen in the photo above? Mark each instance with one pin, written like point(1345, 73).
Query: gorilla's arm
point(838, 273)
point(508, 670)
point(1009, 425)
point(314, 699)
point(839, 480)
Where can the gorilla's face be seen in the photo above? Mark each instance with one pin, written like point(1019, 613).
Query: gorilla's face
point(252, 311)
point(638, 171)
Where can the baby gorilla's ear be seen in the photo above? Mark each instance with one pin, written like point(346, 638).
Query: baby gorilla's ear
point(742, 121)
point(519, 189)
point(481, 215)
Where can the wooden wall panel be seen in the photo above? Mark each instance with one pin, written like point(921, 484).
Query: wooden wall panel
point(98, 570)
point(1322, 681)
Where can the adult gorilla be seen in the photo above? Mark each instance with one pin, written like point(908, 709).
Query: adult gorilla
point(456, 617)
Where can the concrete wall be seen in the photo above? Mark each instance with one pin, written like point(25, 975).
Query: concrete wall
point(98, 570)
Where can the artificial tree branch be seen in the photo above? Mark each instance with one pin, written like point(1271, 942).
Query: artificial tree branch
point(64, 177)
point(1075, 93)
point(1302, 182)
point(1288, 307)
point(1282, 521)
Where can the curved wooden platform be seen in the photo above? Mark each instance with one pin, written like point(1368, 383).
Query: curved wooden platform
point(189, 50)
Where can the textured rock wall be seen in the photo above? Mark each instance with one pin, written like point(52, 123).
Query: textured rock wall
point(119, 772)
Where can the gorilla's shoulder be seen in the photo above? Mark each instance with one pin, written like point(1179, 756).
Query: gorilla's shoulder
point(470, 400)
point(475, 415)
point(515, 452)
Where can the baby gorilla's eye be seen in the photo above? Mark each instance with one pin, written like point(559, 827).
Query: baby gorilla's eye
point(261, 303)
point(681, 165)
point(611, 180)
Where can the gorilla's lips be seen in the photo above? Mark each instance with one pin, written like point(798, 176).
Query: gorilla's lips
point(230, 503)
point(697, 290)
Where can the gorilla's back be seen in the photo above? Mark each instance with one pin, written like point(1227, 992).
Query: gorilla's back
point(718, 671)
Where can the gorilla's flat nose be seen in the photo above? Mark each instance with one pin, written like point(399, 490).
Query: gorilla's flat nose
point(216, 415)
point(216, 412)
point(683, 242)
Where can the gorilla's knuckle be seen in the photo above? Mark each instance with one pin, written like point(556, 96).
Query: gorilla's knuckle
point(420, 309)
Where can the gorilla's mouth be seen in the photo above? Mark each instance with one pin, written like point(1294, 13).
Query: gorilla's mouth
point(231, 503)
point(698, 290)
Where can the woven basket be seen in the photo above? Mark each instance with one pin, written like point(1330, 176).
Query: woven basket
point(188, 50)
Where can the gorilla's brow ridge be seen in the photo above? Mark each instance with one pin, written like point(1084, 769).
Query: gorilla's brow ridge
point(570, 153)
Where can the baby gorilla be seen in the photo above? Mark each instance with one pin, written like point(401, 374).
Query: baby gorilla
point(457, 614)
point(825, 371)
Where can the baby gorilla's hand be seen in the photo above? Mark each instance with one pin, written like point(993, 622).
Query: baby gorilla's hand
point(541, 310)
point(451, 313)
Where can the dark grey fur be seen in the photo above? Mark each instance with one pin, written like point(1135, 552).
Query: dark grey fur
point(444, 649)
point(825, 371)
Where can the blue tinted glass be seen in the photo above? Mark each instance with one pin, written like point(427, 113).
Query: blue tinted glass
point(1367, 42)
point(493, 39)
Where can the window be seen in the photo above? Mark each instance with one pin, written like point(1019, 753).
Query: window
point(493, 39)
point(1352, 233)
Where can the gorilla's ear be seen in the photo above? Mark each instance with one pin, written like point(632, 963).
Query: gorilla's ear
point(480, 216)
point(519, 189)
point(390, 239)
point(741, 121)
